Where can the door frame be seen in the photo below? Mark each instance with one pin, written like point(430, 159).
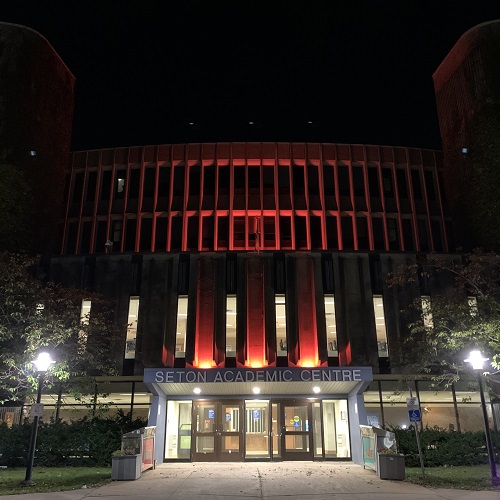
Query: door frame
point(218, 434)
point(294, 456)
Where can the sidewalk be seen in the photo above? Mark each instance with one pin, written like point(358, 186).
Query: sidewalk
point(270, 481)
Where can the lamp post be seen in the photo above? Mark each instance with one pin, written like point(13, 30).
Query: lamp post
point(42, 364)
point(476, 360)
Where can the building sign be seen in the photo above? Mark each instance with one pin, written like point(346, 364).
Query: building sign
point(183, 375)
point(36, 410)
point(412, 404)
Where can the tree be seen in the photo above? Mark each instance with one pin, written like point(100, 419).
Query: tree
point(37, 315)
point(461, 313)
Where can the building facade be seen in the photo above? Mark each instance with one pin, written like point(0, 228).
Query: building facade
point(252, 277)
point(251, 280)
point(468, 106)
point(36, 118)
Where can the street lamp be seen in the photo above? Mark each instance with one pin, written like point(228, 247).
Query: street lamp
point(42, 364)
point(476, 360)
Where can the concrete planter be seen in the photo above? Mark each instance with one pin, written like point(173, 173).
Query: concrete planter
point(126, 467)
point(391, 466)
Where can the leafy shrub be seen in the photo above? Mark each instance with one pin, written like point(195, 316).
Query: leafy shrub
point(445, 448)
point(85, 442)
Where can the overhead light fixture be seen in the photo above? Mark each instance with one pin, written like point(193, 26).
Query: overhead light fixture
point(197, 390)
point(256, 390)
point(316, 389)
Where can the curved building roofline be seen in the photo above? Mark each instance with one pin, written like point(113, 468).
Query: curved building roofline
point(465, 44)
point(27, 28)
point(252, 142)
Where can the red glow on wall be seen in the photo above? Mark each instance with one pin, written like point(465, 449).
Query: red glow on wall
point(245, 196)
point(345, 356)
point(256, 337)
point(164, 355)
point(306, 313)
point(205, 307)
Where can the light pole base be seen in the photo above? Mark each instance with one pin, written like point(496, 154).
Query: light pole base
point(27, 483)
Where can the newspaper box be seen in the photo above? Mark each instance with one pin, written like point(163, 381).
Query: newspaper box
point(374, 441)
point(380, 452)
point(137, 455)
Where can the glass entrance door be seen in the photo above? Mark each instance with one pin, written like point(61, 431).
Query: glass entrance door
point(217, 431)
point(296, 435)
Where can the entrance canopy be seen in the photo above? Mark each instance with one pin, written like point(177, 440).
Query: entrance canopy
point(299, 382)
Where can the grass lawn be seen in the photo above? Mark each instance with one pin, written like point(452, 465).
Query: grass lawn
point(465, 478)
point(53, 479)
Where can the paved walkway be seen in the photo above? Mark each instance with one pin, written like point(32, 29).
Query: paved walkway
point(269, 481)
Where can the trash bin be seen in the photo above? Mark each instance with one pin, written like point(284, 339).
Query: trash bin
point(391, 466)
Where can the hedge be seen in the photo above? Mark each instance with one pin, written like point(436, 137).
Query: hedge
point(445, 448)
point(85, 442)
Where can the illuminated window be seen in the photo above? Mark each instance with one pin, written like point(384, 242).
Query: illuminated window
point(378, 308)
point(180, 337)
point(427, 312)
point(472, 301)
point(331, 326)
point(133, 313)
point(281, 325)
point(231, 326)
point(84, 321)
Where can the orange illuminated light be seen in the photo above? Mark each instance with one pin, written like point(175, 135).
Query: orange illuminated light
point(206, 365)
point(308, 363)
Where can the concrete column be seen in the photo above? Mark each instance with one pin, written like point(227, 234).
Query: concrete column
point(357, 417)
point(157, 415)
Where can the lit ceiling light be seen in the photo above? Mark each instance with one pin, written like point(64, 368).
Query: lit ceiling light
point(197, 390)
point(316, 389)
point(256, 390)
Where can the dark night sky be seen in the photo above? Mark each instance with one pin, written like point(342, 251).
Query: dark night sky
point(360, 71)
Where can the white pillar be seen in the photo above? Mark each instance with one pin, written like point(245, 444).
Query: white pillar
point(157, 414)
point(357, 417)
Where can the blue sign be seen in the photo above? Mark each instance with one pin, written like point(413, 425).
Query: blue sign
point(211, 413)
point(296, 424)
point(256, 414)
point(228, 417)
point(415, 415)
